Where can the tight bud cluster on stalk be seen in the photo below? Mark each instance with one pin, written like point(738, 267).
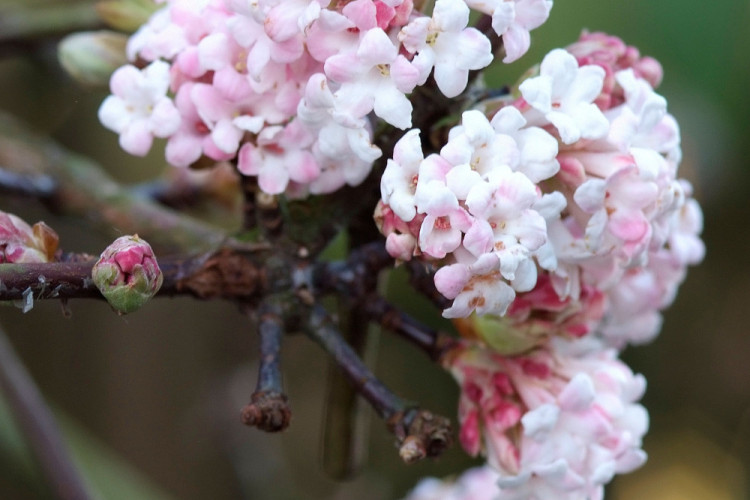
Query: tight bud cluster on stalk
point(127, 274)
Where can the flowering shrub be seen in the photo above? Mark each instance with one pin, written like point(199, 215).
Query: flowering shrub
point(549, 217)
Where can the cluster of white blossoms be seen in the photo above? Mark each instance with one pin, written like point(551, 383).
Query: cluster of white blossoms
point(560, 231)
point(287, 88)
point(476, 207)
point(568, 195)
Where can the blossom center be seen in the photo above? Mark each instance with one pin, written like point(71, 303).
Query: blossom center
point(384, 69)
point(241, 65)
point(201, 127)
point(442, 222)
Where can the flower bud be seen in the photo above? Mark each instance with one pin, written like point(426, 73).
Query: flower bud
point(126, 15)
point(91, 57)
point(22, 243)
point(127, 274)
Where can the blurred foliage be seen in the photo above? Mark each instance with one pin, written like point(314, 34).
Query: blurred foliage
point(107, 475)
point(163, 388)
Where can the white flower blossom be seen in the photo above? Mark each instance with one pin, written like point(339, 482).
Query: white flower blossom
point(445, 43)
point(563, 94)
point(139, 108)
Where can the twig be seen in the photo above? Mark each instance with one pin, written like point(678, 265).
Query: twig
point(269, 215)
point(42, 187)
point(168, 193)
point(268, 409)
point(484, 25)
point(434, 343)
point(38, 426)
point(249, 187)
point(324, 332)
point(421, 278)
point(343, 430)
point(84, 190)
point(419, 433)
point(357, 275)
point(52, 280)
point(21, 23)
point(353, 279)
point(225, 274)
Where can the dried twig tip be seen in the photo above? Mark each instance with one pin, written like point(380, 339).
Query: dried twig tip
point(268, 412)
point(421, 434)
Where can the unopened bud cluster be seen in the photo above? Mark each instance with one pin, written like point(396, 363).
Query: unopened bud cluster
point(127, 274)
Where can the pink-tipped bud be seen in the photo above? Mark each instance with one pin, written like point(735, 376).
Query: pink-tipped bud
point(22, 243)
point(127, 274)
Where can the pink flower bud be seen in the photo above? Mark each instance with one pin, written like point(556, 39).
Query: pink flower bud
point(611, 54)
point(22, 243)
point(127, 274)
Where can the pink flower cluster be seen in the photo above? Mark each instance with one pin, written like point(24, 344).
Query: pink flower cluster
point(476, 207)
point(591, 234)
point(287, 88)
point(554, 216)
point(559, 422)
point(564, 206)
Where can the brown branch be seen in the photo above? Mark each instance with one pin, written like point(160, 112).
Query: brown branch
point(169, 193)
point(249, 187)
point(268, 409)
point(84, 190)
point(416, 439)
point(42, 187)
point(433, 342)
point(269, 216)
point(226, 274)
point(484, 25)
point(53, 280)
point(25, 24)
point(38, 425)
point(354, 277)
point(421, 277)
point(323, 331)
point(344, 432)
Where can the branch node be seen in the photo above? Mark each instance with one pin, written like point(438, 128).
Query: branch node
point(268, 411)
point(226, 274)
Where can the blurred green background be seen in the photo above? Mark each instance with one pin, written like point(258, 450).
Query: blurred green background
point(162, 389)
